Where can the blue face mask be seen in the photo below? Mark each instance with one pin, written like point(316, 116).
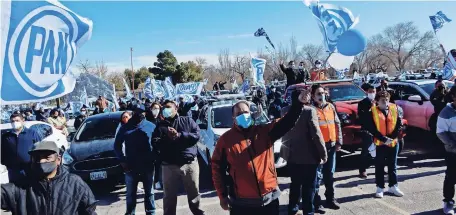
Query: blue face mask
point(244, 120)
point(167, 112)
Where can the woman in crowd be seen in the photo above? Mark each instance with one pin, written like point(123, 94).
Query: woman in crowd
point(154, 115)
point(57, 121)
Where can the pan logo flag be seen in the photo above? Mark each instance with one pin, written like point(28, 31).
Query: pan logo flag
point(39, 42)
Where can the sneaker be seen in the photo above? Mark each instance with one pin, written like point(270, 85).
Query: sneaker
point(448, 207)
point(332, 204)
point(379, 193)
point(320, 209)
point(396, 191)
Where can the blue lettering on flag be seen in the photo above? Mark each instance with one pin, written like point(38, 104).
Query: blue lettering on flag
point(41, 42)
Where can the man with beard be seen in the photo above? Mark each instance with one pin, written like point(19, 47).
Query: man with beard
point(49, 189)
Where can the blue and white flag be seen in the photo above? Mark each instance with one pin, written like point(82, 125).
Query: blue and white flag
point(127, 89)
point(39, 42)
point(449, 70)
point(148, 89)
point(84, 98)
point(76, 107)
point(258, 67)
point(438, 20)
point(245, 86)
point(262, 33)
point(190, 88)
point(157, 88)
point(169, 87)
point(333, 21)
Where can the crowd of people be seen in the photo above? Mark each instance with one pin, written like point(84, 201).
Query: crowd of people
point(157, 140)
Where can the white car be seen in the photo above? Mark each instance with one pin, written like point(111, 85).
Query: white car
point(46, 130)
point(216, 119)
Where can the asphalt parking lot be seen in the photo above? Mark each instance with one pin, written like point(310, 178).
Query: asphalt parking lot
point(420, 175)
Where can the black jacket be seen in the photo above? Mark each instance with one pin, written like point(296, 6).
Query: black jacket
point(364, 114)
point(65, 194)
point(439, 101)
point(184, 108)
point(294, 76)
point(183, 150)
point(78, 121)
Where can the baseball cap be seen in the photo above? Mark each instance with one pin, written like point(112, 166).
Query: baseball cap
point(45, 145)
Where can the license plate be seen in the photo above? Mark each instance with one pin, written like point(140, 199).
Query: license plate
point(98, 175)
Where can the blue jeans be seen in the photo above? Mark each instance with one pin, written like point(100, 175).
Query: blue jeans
point(386, 156)
point(327, 172)
point(303, 183)
point(131, 180)
point(366, 159)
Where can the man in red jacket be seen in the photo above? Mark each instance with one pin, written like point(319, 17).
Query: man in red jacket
point(245, 152)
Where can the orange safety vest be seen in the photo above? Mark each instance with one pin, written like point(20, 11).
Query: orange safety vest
point(326, 119)
point(385, 125)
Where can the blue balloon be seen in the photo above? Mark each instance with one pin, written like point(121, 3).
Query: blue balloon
point(351, 43)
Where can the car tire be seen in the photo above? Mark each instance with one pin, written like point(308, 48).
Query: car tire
point(401, 143)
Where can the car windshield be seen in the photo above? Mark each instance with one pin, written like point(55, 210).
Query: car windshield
point(99, 128)
point(221, 117)
point(431, 86)
point(345, 92)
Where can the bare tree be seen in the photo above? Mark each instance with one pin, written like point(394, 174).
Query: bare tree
point(99, 69)
point(224, 59)
point(311, 53)
point(241, 66)
point(401, 42)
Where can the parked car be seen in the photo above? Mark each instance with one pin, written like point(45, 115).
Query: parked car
point(91, 154)
point(216, 119)
point(346, 95)
point(45, 130)
point(414, 98)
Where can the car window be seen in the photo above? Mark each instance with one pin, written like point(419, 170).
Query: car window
point(42, 129)
point(408, 91)
point(345, 92)
point(429, 88)
point(222, 117)
point(95, 129)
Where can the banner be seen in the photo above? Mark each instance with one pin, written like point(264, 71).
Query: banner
point(157, 88)
point(332, 20)
point(127, 89)
point(76, 107)
point(191, 88)
point(438, 20)
point(39, 40)
point(84, 98)
point(169, 88)
point(258, 67)
point(148, 89)
point(245, 86)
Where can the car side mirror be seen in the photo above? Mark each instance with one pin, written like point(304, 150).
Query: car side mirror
point(203, 126)
point(415, 98)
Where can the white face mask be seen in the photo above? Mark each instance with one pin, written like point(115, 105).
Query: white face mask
point(17, 125)
point(301, 67)
point(155, 112)
point(318, 66)
point(83, 112)
point(371, 96)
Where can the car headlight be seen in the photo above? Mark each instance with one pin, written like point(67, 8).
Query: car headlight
point(344, 118)
point(67, 159)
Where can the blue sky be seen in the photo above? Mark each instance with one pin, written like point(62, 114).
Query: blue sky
point(191, 29)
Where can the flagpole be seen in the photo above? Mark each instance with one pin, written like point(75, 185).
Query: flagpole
point(132, 73)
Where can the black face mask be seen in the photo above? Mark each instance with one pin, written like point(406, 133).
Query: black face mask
point(43, 169)
point(440, 88)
